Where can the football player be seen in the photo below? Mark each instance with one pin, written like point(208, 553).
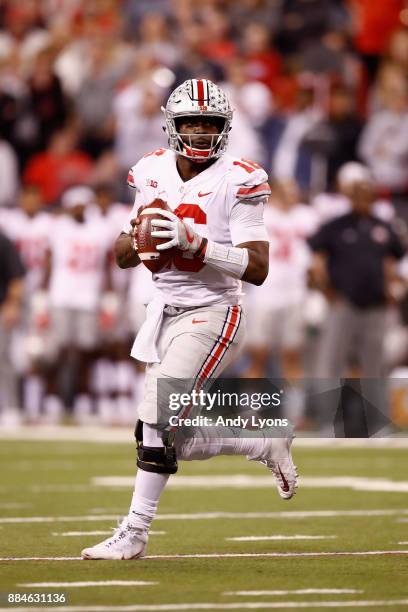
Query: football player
point(195, 324)
point(276, 326)
point(77, 272)
point(29, 227)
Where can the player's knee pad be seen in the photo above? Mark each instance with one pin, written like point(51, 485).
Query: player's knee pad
point(161, 459)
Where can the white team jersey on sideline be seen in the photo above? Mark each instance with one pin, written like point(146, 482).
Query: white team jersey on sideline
point(114, 218)
point(289, 256)
point(79, 253)
point(223, 203)
point(31, 236)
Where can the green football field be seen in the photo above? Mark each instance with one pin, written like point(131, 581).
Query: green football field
point(223, 539)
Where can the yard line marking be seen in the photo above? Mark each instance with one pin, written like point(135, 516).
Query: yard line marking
point(203, 516)
point(283, 537)
point(296, 592)
point(279, 554)
point(237, 481)
point(356, 553)
point(403, 543)
point(402, 521)
point(81, 533)
point(89, 583)
point(115, 435)
point(40, 558)
point(95, 533)
point(246, 481)
point(61, 488)
point(58, 519)
point(259, 605)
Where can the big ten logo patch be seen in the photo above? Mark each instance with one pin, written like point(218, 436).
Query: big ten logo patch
point(151, 183)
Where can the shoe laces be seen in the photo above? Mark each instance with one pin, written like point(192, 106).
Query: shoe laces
point(119, 532)
point(122, 530)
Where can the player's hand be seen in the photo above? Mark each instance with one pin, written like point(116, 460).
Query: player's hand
point(180, 235)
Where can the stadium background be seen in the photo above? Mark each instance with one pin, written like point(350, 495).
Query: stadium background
point(81, 84)
point(314, 84)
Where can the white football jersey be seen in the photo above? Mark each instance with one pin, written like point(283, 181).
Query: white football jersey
point(79, 252)
point(114, 218)
point(289, 255)
point(30, 235)
point(223, 203)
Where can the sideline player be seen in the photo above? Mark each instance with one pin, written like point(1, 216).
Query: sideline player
point(77, 272)
point(29, 228)
point(276, 324)
point(195, 324)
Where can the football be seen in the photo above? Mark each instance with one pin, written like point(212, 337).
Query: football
point(146, 245)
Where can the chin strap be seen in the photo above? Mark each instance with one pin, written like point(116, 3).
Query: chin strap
point(197, 154)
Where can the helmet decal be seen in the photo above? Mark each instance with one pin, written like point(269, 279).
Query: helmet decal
point(200, 92)
point(197, 97)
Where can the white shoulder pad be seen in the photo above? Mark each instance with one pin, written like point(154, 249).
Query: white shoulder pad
point(137, 173)
point(250, 181)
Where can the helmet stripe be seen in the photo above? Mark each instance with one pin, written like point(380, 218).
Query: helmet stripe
point(197, 97)
point(194, 94)
point(206, 91)
point(200, 91)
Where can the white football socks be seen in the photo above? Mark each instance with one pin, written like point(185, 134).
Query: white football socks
point(203, 446)
point(148, 486)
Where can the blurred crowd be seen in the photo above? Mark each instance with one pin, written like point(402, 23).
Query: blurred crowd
point(320, 92)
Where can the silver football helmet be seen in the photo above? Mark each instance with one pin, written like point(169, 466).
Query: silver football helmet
point(197, 97)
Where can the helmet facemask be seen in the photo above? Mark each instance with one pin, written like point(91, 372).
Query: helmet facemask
point(186, 142)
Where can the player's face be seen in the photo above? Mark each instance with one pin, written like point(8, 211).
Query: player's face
point(201, 128)
point(362, 197)
point(30, 201)
point(77, 212)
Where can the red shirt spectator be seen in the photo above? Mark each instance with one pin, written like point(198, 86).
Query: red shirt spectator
point(59, 167)
point(217, 45)
point(263, 63)
point(374, 22)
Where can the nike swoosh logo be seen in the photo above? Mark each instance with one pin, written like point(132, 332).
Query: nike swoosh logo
point(198, 321)
point(285, 486)
point(202, 195)
point(189, 238)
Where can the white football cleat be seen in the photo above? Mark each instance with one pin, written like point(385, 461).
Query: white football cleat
point(277, 457)
point(127, 542)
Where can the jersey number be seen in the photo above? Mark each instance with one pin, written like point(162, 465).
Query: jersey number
point(157, 152)
point(247, 165)
point(186, 262)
